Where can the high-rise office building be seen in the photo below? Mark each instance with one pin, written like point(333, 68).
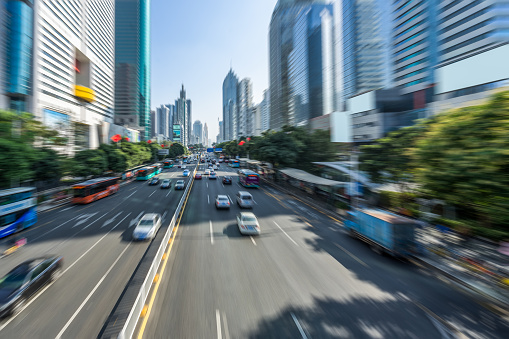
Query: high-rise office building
point(189, 121)
point(280, 47)
point(365, 37)
point(198, 131)
point(472, 39)
point(154, 125)
point(182, 117)
point(221, 132)
point(163, 121)
point(312, 66)
point(230, 108)
point(132, 63)
point(265, 111)
point(206, 141)
point(244, 104)
point(171, 117)
point(70, 78)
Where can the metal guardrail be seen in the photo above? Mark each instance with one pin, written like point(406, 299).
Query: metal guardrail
point(131, 321)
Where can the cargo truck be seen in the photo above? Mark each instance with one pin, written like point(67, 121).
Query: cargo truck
point(385, 232)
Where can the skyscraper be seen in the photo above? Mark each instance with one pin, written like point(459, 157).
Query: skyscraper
point(182, 116)
point(280, 47)
point(198, 132)
point(230, 85)
point(154, 125)
point(189, 121)
point(171, 118)
point(366, 28)
point(68, 83)
point(244, 104)
point(163, 121)
point(221, 132)
point(132, 63)
point(206, 142)
point(265, 111)
point(312, 66)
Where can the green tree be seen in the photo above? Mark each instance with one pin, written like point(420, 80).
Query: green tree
point(46, 164)
point(463, 158)
point(91, 162)
point(116, 159)
point(177, 149)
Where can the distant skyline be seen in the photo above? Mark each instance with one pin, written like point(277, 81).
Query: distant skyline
point(195, 42)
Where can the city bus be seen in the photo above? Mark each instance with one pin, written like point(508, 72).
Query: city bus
point(17, 210)
point(234, 163)
point(159, 168)
point(168, 163)
point(248, 178)
point(146, 173)
point(94, 189)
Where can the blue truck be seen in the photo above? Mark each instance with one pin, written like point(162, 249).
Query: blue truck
point(385, 232)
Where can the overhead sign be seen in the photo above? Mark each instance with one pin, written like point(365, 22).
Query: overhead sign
point(210, 150)
point(163, 151)
point(218, 149)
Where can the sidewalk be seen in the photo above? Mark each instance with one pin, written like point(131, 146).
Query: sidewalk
point(476, 265)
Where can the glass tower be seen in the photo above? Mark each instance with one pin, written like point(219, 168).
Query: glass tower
point(230, 85)
point(132, 64)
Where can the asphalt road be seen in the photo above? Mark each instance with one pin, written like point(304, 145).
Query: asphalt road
point(303, 277)
point(99, 258)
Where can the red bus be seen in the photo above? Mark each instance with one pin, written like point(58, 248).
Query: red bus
point(94, 189)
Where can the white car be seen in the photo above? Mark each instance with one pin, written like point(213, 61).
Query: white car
point(247, 223)
point(222, 201)
point(214, 167)
point(147, 227)
point(207, 172)
point(185, 173)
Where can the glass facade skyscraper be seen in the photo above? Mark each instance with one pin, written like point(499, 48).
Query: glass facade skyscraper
point(18, 49)
point(132, 64)
point(312, 66)
point(230, 86)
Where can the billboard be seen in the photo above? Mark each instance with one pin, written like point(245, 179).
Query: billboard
point(210, 150)
point(176, 133)
point(219, 150)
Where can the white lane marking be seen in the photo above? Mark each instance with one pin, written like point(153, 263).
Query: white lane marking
point(254, 242)
point(352, 255)
point(59, 335)
point(151, 194)
point(67, 269)
point(164, 214)
point(225, 323)
point(208, 199)
point(231, 201)
point(207, 185)
point(255, 202)
point(84, 218)
point(81, 256)
point(135, 220)
point(222, 184)
point(109, 221)
point(211, 234)
point(167, 194)
point(218, 323)
point(66, 209)
point(51, 230)
point(93, 222)
point(129, 196)
point(301, 330)
point(286, 234)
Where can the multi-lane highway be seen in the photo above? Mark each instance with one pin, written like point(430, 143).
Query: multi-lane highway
point(99, 258)
point(303, 277)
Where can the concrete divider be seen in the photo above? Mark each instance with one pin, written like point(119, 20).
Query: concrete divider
point(124, 318)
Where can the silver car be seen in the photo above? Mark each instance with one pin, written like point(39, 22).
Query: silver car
point(247, 223)
point(222, 201)
point(147, 227)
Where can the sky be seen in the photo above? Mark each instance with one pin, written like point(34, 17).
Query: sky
point(194, 42)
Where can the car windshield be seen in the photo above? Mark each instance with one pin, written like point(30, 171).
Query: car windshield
point(180, 182)
point(14, 279)
point(146, 223)
point(246, 197)
point(166, 181)
point(222, 198)
point(249, 219)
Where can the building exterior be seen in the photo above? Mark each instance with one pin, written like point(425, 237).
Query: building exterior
point(245, 103)
point(164, 121)
point(206, 140)
point(132, 63)
point(198, 132)
point(189, 121)
point(72, 71)
point(365, 44)
point(154, 125)
point(312, 65)
point(472, 40)
point(265, 111)
point(183, 117)
point(230, 85)
point(221, 132)
point(3, 47)
point(257, 120)
point(171, 116)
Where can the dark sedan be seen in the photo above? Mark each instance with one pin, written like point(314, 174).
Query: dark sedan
point(154, 181)
point(166, 183)
point(227, 180)
point(25, 280)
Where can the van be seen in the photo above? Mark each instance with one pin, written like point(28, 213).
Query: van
point(245, 199)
